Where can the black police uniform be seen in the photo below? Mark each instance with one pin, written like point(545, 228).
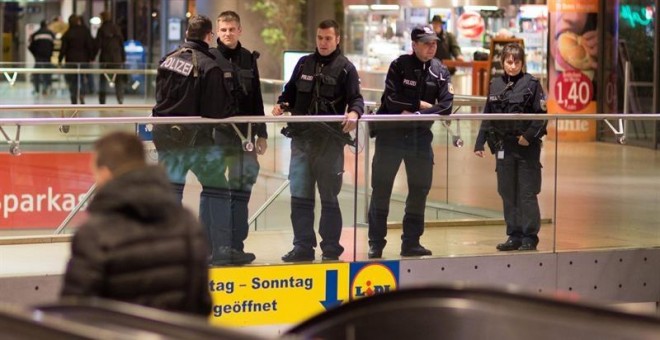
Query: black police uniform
point(408, 81)
point(518, 167)
point(190, 83)
point(323, 85)
point(241, 166)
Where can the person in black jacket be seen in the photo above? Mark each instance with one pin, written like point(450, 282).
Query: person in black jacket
point(138, 244)
point(517, 145)
point(416, 84)
point(41, 46)
point(322, 83)
point(239, 143)
point(191, 83)
point(110, 44)
point(78, 51)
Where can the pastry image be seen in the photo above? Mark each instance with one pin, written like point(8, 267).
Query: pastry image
point(573, 50)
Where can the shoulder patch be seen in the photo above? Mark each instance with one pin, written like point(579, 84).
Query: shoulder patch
point(177, 65)
point(450, 88)
point(543, 104)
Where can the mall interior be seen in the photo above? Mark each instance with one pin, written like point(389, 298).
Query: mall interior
point(594, 274)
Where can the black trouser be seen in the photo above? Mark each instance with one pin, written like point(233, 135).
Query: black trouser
point(413, 147)
point(42, 80)
point(241, 169)
point(317, 161)
point(519, 183)
point(116, 79)
point(77, 83)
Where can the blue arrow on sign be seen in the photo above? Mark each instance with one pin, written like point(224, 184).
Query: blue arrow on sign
point(331, 283)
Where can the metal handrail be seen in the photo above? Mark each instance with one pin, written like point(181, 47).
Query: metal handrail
point(78, 70)
point(302, 119)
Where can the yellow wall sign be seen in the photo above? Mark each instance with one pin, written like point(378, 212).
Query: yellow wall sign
point(247, 296)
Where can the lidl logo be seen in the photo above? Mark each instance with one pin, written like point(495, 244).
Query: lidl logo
point(371, 278)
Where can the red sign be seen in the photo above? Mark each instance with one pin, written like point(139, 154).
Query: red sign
point(573, 90)
point(38, 190)
point(471, 25)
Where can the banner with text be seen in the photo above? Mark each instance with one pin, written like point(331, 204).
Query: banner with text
point(38, 190)
point(572, 66)
point(268, 295)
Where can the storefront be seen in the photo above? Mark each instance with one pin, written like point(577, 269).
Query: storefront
point(377, 33)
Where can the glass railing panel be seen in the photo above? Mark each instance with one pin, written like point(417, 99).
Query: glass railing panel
point(474, 200)
point(607, 194)
point(23, 83)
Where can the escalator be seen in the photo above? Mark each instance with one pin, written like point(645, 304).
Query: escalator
point(450, 313)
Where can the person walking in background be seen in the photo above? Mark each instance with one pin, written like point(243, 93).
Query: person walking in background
point(416, 84)
point(448, 47)
point(138, 245)
point(517, 146)
point(110, 44)
point(239, 143)
point(41, 46)
point(78, 51)
point(323, 83)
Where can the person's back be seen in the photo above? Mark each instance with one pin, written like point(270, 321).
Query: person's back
point(77, 43)
point(41, 43)
point(110, 43)
point(139, 244)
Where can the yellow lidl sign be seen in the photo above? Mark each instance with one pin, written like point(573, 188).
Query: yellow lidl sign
point(247, 296)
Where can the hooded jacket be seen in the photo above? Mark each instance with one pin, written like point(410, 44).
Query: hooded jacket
point(140, 246)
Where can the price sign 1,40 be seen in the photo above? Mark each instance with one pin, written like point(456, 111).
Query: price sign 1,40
point(573, 90)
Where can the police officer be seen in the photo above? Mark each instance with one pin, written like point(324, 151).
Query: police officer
point(322, 83)
point(239, 143)
point(416, 84)
point(517, 146)
point(190, 83)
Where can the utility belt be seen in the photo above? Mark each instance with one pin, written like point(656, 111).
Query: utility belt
point(182, 136)
point(316, 130)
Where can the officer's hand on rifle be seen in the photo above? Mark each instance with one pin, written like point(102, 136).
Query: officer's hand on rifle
point(279, 109)
point(350, 121)
point(480, 153)
point(522, 141)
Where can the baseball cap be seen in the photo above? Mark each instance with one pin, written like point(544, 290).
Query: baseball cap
point(423, 34)
point(437, 18)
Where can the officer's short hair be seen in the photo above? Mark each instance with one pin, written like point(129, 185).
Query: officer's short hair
point(119, 151)
point(229, 16)
point(198, 27)
point(514, 50)
point(325, 24)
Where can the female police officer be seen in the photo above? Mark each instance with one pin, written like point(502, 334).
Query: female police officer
point(517, 145)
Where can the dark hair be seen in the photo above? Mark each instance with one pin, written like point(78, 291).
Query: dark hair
point(325, 24)
point(74, 20)
point(514, 50)
point(43, 24)
point(105, 16)
point(119, 152)
point(198, 27)
point(229, 16)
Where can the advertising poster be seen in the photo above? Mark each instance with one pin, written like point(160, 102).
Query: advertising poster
point(572, 67)
point(38, 190)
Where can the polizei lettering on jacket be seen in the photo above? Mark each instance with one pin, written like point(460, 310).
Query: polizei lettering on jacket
point(410, 82)
point(307, 77)
point(177, 65)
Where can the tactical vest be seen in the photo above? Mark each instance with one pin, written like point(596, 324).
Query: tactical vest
point(319, 88)
point(231, 79)
point(511, 98)
point(417, 86)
